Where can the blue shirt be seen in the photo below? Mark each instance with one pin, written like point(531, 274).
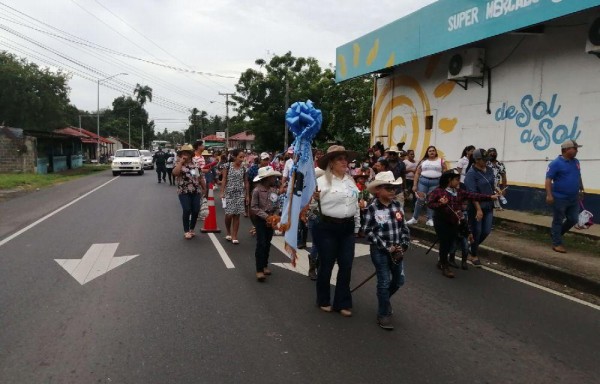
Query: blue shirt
point(481, 182)
point(565, 175)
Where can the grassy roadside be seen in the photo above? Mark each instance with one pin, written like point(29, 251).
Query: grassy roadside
point(30, 181)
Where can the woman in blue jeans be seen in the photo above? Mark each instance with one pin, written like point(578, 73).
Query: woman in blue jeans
point(480, 179)
point(426, 179)
point(189, 181)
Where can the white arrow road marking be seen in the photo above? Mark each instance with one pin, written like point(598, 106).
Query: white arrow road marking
point(302, 262)
point(221, 251)
point(98, 260)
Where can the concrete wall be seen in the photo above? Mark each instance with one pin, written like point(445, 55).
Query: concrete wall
point(544, 90)
point(17, 155)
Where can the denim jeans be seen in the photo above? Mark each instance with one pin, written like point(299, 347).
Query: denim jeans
point(190, 203)
point(425, 186)
point(480, 229)
point(335, 244)
point(390, 277)
point(563, 209)
point(264, 235)
point(314, 235)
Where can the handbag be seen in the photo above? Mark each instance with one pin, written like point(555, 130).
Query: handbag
point(204, 209)
point(584, 221)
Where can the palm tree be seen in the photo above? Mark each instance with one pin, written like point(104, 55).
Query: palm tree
point(143, 93)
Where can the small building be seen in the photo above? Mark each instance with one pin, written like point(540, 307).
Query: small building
point(17, 151)
point(519, 76)
point(243, 140)
point(214, 142)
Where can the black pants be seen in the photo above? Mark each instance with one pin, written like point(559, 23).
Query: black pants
point(447, 235)
point(161, 170)
point(170, 175)
point(302, 233)
point(264, 234)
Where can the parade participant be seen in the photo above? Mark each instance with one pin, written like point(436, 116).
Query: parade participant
point(411, 167)
point(339, 221)
point(449, 221)
point(364, 197)
point(381, 166)
point(199, 159)
point(564, 189)
point(159, 159)
point(189, 184)
point(427, 178)
point(398, 168)
point(465, 161)
point(313, 217)
point(259, 162)
point(235, 193)
point(169, 165)
point(480, 179)
point(263, 205)
point(389, 238)
point(499, 169)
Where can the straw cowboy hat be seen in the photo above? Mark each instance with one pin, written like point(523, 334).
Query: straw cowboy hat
point(383, 178)
point(186, 147)
point(264, 172)
point(332, 152)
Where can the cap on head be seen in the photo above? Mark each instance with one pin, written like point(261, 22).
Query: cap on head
point(570, 144)
point(265, 156)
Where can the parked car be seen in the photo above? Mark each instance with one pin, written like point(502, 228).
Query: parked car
point(127, 160)
point(147, 156)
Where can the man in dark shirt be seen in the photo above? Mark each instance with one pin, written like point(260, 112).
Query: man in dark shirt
point(159, 159)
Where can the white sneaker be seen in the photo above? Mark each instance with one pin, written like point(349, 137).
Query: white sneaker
point(429, 223)
point(411, 221)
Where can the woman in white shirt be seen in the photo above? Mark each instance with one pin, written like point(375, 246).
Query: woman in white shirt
point(463, 163)
point(427, 178)
point(339, 221)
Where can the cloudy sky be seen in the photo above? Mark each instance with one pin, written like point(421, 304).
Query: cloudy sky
point(218, 39)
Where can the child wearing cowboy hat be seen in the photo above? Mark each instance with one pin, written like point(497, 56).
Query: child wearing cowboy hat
point(389, 236)
point(263, 205)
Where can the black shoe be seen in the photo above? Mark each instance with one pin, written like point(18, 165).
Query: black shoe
point(385, 322)
point(312, 273)
point(158, 181)
point(301, 246)
point(464, 265)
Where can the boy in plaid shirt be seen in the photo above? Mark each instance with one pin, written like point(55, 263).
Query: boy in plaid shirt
point(388, 234)
point(447, 204)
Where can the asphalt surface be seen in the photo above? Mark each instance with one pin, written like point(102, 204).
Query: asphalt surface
point(176, 314)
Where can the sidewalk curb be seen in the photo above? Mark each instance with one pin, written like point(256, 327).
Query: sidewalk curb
point(542, 228)
point(534, 267)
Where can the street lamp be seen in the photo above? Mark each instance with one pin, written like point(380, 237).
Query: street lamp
point(98, 115)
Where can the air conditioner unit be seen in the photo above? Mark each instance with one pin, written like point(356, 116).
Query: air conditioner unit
point(592, 45)
point(466, 64)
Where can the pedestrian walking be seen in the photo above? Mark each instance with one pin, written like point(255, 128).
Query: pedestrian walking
point(339, 222)
point(189, 185)
point(263, 206)
point(411, 167)
point(449, 221)
point(500, 182)
point(169, 165)
point(465, 161)
point(389, 238)
point(480, 179)
point(427, 178)
point(234, 191)
point(159, 159)
point(564, 192)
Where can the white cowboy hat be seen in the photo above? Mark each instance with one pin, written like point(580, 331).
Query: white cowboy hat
point(334, 151)
point(266, 172)
point(383, 178)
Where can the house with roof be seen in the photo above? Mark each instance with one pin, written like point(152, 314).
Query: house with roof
point(243, 140)
point(518, 76)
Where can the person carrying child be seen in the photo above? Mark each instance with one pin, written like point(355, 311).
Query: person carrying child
point(449, 222)
point(264, 207)
point(389, 236)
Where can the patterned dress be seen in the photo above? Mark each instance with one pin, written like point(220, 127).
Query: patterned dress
point(187, 181)
point(234, 191)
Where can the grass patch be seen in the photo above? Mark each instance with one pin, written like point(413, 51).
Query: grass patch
point(29, 181)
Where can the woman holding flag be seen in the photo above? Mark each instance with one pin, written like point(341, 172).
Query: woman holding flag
point(339, 222)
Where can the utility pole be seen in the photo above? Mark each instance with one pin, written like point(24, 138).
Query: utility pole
point(129, 128)
point(226, 118)
point(287, 105)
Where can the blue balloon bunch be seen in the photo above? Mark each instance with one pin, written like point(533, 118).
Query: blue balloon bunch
point(304, 121)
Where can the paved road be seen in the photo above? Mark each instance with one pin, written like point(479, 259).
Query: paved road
point(177, 314)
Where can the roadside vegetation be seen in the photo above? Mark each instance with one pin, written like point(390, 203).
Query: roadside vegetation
point(31, 181)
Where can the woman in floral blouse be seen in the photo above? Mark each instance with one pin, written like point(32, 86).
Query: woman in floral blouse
point(189, 182)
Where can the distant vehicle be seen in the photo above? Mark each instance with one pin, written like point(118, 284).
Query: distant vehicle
point(155, 144)
point(147, 156)
point(127, 160)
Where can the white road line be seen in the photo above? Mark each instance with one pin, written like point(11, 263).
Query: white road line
point(27, 228)
point(221, 251)
point(534, 285)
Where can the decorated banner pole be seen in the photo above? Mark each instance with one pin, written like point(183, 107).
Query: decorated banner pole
point(304, 121)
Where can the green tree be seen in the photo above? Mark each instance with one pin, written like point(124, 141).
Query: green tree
point(32, 97)
point(143, 93)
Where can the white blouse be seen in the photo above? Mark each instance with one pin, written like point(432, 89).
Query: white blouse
point(432, 169)
point(340, 198)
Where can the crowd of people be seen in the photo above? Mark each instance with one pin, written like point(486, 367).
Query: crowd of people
point(361, 196)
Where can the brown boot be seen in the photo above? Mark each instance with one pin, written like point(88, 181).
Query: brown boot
point(260, 276)
point(447, 272)
point(267, 271)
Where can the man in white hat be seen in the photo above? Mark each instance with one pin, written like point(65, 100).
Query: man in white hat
point(389, 236)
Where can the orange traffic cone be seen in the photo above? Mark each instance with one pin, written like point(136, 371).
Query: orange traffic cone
point(210, 223)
